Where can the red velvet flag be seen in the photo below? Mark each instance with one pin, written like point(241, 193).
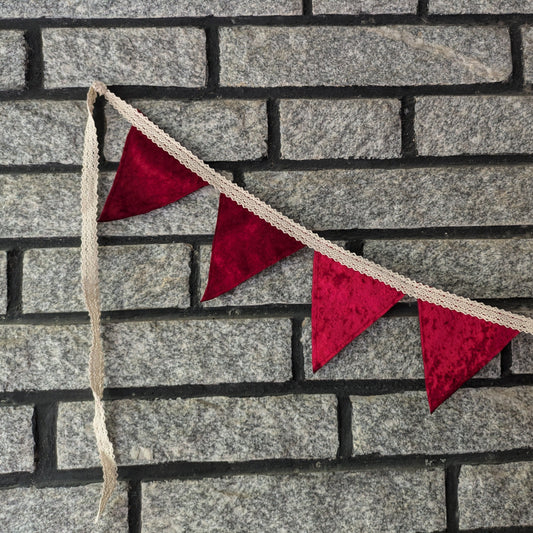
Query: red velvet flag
point(243, 246)
point(344, 304)
point(455, 347)
point(147, 178)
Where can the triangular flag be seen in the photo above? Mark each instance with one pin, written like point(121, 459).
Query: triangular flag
point(455, 347)
point(147, 178)
point(344, 304)
point(243, 246)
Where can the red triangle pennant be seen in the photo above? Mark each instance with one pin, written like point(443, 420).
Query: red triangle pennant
point(243, 246)
point(147, 178)
point(344, 304)
point(455, 347)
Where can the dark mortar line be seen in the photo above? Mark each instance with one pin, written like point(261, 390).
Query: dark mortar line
point(274, 130)
point(344, 421)
point(422, 9)
point(44, 432)
point(194, 277)
point(510, 529)
point(212, 44)
point(407, 117)
point(452, 501)
point(14, 273)
point(307, 8)
point(238, 177)
point(134, 506)
point(99, 117)
point(297, 352)
point(34, 58)
point(517, 55)
point(506, 360)
point(353, 245)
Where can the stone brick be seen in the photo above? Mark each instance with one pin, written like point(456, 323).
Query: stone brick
point(374, 55)
point(326, 501)
point(12, 60)
point(62, 509)
point(132, 277)
point(448, 7)
point(495, 495)
point(527, 43)
point(147, 353)
point(487, 124)
point(16, 440)
point(202, 429)
point(214, 130)
point(124, 56)
point(323, 129)
point(360, 7)
point(42, 131)
point(153, 9)
point(472, 420)
point(471, 268)
point(3, 283)
point(288, 281)
point(522, 348)
point(399, 198)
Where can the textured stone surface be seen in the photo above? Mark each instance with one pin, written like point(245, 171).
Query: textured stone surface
point(12, 60)
point(124, 56)
point(286, 282)
point(522, 347)
point(16, 440)
point(377, 55)
point(358, 7)
point(154, 8)
point(3, 283)
point(472, 268)
point(139, 276)
point(326, 501)
point(527, 44)
point(62, 510)
point(445, 7)
point(41, 131)
point(323, 129)
point(389, 349)
point(399, 198)
point(202, 429)
point(214, 130)
point(496, 495)
point(488, 124)
point(472, 420)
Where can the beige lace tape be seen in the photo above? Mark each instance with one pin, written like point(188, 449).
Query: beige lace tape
point(91, 292)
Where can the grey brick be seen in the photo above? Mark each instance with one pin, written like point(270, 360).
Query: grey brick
point(488, 124)
point(16, 440)
point(375, 55)
point(202, 429)
point(124, 56)
point(132, 277)
point(326, 501)
point(42, 131)
point(399, 198)
point(286, 282)
point(154, 8)
point(495, 495)
point(358, 7)
point(3, 282)
point(62, 510)
point(522, 348)
point(322, 129)
point(214, 130)
point(12, 60)
point(446, 7)
point(472, 268)
point(527, 44)
point(472, 420)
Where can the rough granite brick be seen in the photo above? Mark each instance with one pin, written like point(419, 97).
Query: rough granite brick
point(153, 9)
point(472, 420)
point(471, 268)
point(327, 501)
point(361, 7)
point(124, 56)
point(202, 429)
point(12, 60)
point(42, 131)
point(214, 130)
point(399, 198)
point(484, 124)
point(62, 510)
point(16, 440)
point(448, 7)
point(522, 348)
point(286, 282)
point(497, 495)
point(375, 55)
point(132, 277)
point(388, 349)
point(527, 44)
point(3, 283)
point(147, 353)
point(323, 129)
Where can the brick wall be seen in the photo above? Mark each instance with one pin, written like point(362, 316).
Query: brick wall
point(400, 129)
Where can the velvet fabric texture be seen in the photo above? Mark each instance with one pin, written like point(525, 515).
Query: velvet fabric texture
point(147, 178)
point(243, 246)
point(455, 347)
point(344, 304)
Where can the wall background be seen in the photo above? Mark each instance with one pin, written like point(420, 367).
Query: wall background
point(398, 128)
